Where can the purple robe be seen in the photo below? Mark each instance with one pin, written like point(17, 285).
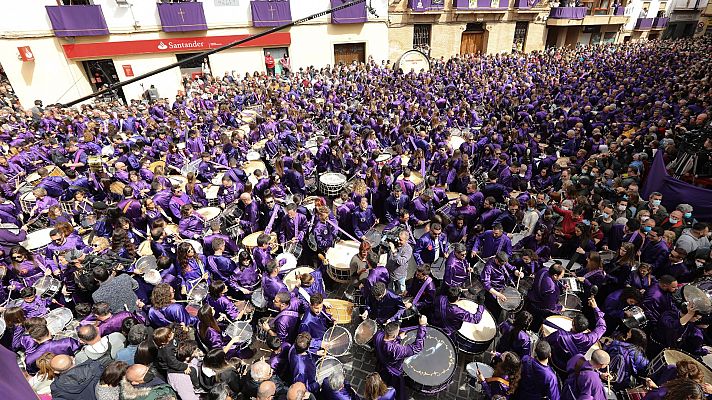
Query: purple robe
point(565, 345)
point(541, 381)
point(449, 317)
point(303, 369)
point(390, 356)
point(456, 271)
point(586, 383)
point(67, 346)
point(174, 312)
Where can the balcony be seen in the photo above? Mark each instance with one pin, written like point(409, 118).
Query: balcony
point(426, 5)
point(525, 4)
point(574, 16)
point(182, 17)
point(644, 24)
point(660, 23)
point(460, 6)
point(77, 20)
point(619, 11)
point(575, 13)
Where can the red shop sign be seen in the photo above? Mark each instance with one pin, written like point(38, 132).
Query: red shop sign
point(128, 71)
point(169, 45)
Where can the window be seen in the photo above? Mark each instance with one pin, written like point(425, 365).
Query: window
point(74, 2)
point(421, 37)
point(520, 35)
point(478, 27)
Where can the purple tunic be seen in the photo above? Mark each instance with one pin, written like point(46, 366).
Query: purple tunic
point(449, 317)
point(390, 356)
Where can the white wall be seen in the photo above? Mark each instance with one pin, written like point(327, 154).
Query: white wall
point(167, 82)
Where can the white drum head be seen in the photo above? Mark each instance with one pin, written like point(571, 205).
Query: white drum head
point(483, 331)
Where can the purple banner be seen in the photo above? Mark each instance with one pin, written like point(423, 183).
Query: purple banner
point(426, 5)
point(619, 11)
point(271, 13)
point(13, 383)
point(355, 14)
point(676, 191)
point(660, 22)
point(644, 24)
point(567, 12)
point(525, 3)
point(182, 17)
point(77, 20)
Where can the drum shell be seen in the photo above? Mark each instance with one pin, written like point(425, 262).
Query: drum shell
point(431, 389)
point(365, 342)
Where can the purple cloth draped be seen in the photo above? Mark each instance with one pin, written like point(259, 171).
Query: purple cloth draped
point(676, 191)
point(355, 14)
point(182, 17)
point(526, 3)
point(13, 385)
point(567, 12)
point(270, 13)
point(644, 23)
point(77, 20)
point(425, 5)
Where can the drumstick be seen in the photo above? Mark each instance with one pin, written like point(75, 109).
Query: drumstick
point(328, 341)
point(608, 376)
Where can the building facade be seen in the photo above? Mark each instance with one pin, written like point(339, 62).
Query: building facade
point(77, 49)
point(686, 18)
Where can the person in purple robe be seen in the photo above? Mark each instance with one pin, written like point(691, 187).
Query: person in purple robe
point(565, 345)
point(449, 317)
point(246, 277)
point(495, 276)
point(504, 380)
point(223, 307)
point(316, 321)
point(109, 322)
point(32, 304)
point(279, 356)
point(655, 250)
point(539, 380)
point(177, 200)
point(26, 268)
point(491, 242)
point(213, 337)
point(286, 323)
point(431, 246)
point(457, 268)
point(302, 364)
point(515, 336)
point(294, 226)
point(44, 343)
point(376, 389)
point(390, 353)
point(164, 310)
point(584, 380)
point(382, 305)
point(271, 282)
point(363, 218)
point(190, 267)
point(659, 299)
point(543, 297)
point(421, 290)
point(250, 215)
point(192, 224)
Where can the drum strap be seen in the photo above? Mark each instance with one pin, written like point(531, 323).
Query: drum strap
point(422, 289)
point(127, 205)
point(498, 379)
point(305, 294)
point(272, 217)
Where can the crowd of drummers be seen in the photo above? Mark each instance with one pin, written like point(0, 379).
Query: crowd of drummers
point(245, 239)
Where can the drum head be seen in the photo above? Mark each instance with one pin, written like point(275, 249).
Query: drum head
point(43, 284)
point(365, 331)
point(37, 239)
point(198, 292)
point(436, 363)
point(240, 330)
point(291, 278)
point(251, 239)
point(699, 298)
point(286, 262)
point(486, 370)
point(209, 213)
point(514, 299)
point(565, 323)
point(483, 331)
point(341, 254)
point(332, 178)
point(258, 298)
point(336, 341)
point(57, 319)
point(570, 301)
point(327, 366)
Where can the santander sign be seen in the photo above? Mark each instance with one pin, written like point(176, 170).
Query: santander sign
point(181, 45)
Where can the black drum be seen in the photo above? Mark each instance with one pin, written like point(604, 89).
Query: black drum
point(431, 370)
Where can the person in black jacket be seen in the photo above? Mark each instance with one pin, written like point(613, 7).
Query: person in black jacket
point(76, 382)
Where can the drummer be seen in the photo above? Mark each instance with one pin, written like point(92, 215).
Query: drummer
point(61, 243)
point(44, 343)
point(32, 304)
point(497, 274)
point(26, 268)
point(490, 243)
point(229, 191)
point(449, 317)
point(271, 283)
point(250, 215)
point(230, 248)
point(302, 363)
point(192, 224)
point(431, 246)
point(423, 290)
point(286, 323)
point(294, 226)
point(390, 354)
point(382, 305)
point(457, 268)
point(316, 321)
point(363, 219)
point(262, 254)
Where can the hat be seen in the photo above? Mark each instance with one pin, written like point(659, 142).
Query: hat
point(73, 255)
point(152, 277)
point(684, 208)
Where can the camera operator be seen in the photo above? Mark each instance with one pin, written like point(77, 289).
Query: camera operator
point(397, 265)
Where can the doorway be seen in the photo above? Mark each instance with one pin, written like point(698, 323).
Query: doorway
point(195, 67)
point(473, 39)
point(102, 74)
point(277, 53)
point(349, 52)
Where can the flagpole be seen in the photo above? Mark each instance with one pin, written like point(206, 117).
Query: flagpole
point(204, 54)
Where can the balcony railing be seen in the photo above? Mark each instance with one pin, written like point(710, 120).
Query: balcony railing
point(426, 5)
point(526, 3)
point(77, 20)
point(568, 12)
point(644, 24)
point(659, 23)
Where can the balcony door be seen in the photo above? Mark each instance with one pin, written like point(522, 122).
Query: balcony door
point(473, 39)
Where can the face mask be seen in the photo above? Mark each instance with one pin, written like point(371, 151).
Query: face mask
point(604, 215)
point(621, 208)
point(586, 222)
point(647, 229)
point(688, 215)
point(644, 218)
point(699, 264)
point(148, 377)
point(656, 203)
point(673, 221)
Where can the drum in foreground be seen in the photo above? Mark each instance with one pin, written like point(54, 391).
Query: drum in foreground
point(331, 183)
point(664, 364)
point(47, 286)
point(341, 310)
point(475, 338)
point(431, 370)
point(364, 334)
point(339, 256)
point(242, 331)
point(291, 278)
point(336, 341)
point(57, 319)
point(37, 241)
point(326, 366)
point(514, 299)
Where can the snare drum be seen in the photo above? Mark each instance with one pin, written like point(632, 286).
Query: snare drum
point(430, 371)
point(331, 183)
point(291, 278)
point(198, 293)
point(383, 158)
point(293, 248)
point(209, 214)
point(37, 241)
point(472, 369)
point(417, 180)
point(28, 202)
point(373, 237)
point(437, 269)
point(363, 336)
point(570, 302)
point(242, 331)
point(58, 319)
point(664, 363)
point(339, 257)
point(637, 319)
point(211, 195)
point(336, 341)
point(47, 287)
point(514, 299)
point(257, 299)
point(475, 338)
point(574, 285)
point(341, 310)
point(286, 262)
point(326, 366)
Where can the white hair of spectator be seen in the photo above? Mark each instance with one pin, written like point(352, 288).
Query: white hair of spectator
point(336, 380)
point(260, 371)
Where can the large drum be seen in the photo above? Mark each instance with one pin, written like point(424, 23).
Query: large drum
point(209, 214)
point(326, 366)
point(37, 241)
point(57, 319)
point(431, 370)
point(291, 278)
point(417, 180)
point(178, 180)
point(340, 310)
point(211, 195)
point(336, 341)
point(475, 338)
point(331, 183)
point(242, 331)
point(47, 286)
point(34, 178)
point(665, 362)
point(364, 334)
point(339, 256)
point(456, 141)
point(559, 322)
point(27, 202)
point(250, 167)
point(250, 241)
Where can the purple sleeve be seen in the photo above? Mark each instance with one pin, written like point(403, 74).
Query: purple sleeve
point(485, 277)
point(415, 347)
point(213, 340)
point(598, 331)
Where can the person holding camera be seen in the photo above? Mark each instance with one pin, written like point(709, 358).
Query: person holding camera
point(398, 258)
